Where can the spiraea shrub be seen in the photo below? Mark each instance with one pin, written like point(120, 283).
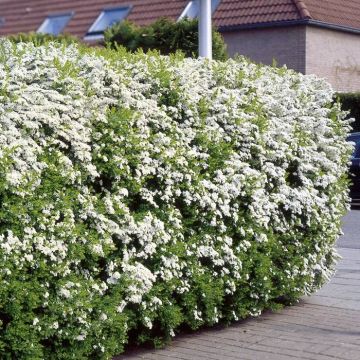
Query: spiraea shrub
point(142, 194)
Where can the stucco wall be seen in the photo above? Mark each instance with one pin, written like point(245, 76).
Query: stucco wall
point(286, 45)
point(335, 56)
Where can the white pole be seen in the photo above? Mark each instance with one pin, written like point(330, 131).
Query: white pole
point(205, 41)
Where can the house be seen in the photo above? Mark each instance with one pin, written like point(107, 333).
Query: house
point(311, 36)
point(319, 37)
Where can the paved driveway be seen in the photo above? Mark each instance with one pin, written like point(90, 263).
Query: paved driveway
point(325, 326)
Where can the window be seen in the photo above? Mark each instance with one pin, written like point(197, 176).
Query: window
point(107, 18)
point(55, 24)
point(192, 9)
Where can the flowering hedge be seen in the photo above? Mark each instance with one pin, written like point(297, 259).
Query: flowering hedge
point(142, 193)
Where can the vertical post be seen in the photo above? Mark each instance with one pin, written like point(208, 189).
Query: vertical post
point(205, 40)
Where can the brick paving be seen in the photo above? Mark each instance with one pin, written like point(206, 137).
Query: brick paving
point(325, 326)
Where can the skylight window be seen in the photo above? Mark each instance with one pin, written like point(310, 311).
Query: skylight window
point(55, 24)
point(107, 18)
point(193, 7)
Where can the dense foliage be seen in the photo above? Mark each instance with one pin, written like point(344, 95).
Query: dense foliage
point(39, 39)
point(163, 35)
point(351, 103)
point(142, 193)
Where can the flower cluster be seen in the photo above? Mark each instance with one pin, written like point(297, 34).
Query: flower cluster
point(140, 193)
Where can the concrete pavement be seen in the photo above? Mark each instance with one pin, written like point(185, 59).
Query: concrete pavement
point(325, 326)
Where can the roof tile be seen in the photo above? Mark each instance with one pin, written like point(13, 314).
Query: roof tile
point(339, 12)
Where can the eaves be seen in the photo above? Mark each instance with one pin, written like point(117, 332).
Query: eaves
point(287, 23)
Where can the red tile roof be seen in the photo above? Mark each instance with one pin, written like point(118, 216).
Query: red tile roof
point(339, 12)
point(233, 13)
point(27, 15)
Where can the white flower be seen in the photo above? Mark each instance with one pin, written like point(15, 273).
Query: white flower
point(148, 323)
point(65, 293)
point(29, 257)
point(121, 307)
point(103, 317)
point(80, 337)
point(114, 278)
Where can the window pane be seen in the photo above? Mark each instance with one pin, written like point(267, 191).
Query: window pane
point(108, 18)
point(54, 24)
point(192, 8)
